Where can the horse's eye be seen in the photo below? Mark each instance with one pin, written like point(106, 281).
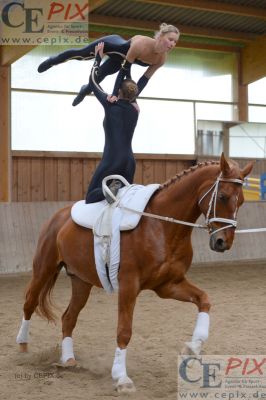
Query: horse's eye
point(222, 197)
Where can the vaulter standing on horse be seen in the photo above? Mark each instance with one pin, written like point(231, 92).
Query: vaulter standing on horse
point(119, 123)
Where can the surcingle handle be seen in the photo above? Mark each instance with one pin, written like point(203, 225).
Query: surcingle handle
point(106, 189)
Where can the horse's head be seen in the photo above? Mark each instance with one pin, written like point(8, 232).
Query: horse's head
point(220, 201)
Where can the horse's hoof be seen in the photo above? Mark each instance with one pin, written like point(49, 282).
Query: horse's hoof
point(125, 385)
point(71, 362)
point(191, 349)
point(194, 347)
point(23, 347)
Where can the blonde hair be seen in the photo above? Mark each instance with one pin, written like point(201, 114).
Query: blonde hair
point(129, 90)
point(165, 28)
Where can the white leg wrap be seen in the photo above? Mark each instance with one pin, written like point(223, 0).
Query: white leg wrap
point(23, 334)
point(67, 349)
point(119, 369)
point(201, 331)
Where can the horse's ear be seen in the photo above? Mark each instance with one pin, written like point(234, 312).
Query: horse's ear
point(225, 167)
point(247, 169)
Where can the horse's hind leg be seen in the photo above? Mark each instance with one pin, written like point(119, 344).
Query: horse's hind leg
point(80, 293)
point(43, 279)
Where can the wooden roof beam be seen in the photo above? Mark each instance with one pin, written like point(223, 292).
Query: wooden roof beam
point(94, 4)
point(148, 26)
point(212, 6)
point(254, 61)
point(10, 54)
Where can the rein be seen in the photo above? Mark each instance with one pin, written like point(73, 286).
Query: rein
point(212, 204)
point(230, 222)
point(167, 219)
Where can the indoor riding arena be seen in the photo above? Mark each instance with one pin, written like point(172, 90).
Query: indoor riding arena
point(203, 109)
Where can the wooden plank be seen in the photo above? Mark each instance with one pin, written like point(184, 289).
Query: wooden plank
point(5, 161)
point(76, 179)
point(37, 179)
point(14, 196)
point(159, 171)
point(89, 167)
point(170, 169)
point(138, 178)
point(182, 165)
point(50, 179)
point(63, 170)
point(24, 179)
point(148, 172)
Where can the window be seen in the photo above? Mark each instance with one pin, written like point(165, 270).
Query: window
point(44, 119)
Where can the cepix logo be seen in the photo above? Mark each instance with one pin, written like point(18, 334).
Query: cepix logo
point(43, 21)
point(222, 377)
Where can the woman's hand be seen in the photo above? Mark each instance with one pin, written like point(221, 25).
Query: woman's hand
point(99, 49)
point(136, 106)
point(112, 99)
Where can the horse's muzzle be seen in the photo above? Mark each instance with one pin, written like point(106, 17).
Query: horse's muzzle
point(218, 243)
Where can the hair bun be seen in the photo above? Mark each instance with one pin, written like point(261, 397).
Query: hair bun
point(163, 25)
point(165, 28)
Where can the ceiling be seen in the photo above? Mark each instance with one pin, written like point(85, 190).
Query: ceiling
point(237, 26)
point(228, 25)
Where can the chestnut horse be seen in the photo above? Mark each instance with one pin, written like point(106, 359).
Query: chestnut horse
point(155, 255)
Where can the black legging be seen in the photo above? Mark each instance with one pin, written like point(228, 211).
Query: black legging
point(110, 164)
point(114, 46)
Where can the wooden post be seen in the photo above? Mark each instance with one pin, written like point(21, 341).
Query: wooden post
point(5, 157)
point(243, 102)
point(226, 127)
point(242, 92)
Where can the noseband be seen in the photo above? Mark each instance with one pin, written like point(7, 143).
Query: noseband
point(231, 223)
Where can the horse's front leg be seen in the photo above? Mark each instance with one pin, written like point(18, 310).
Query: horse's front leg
point(126, 303)
point(185, 291)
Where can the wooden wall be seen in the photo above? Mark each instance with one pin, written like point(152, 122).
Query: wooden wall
point(59, 176)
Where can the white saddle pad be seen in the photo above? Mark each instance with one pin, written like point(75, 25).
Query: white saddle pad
point(106, 221)
point(133, 196)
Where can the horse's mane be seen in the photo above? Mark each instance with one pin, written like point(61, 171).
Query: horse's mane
point(185, 172)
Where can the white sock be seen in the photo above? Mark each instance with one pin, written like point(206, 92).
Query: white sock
point(67, 349)
point(23, 334)
point(119, 365)
point(201, 331)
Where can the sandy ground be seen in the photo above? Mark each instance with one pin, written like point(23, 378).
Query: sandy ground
point(238, 296)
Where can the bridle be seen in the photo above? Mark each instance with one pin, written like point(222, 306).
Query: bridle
point(230, 223)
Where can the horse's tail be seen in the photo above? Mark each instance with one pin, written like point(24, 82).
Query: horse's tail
point(45, 304)
point(46, 267)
